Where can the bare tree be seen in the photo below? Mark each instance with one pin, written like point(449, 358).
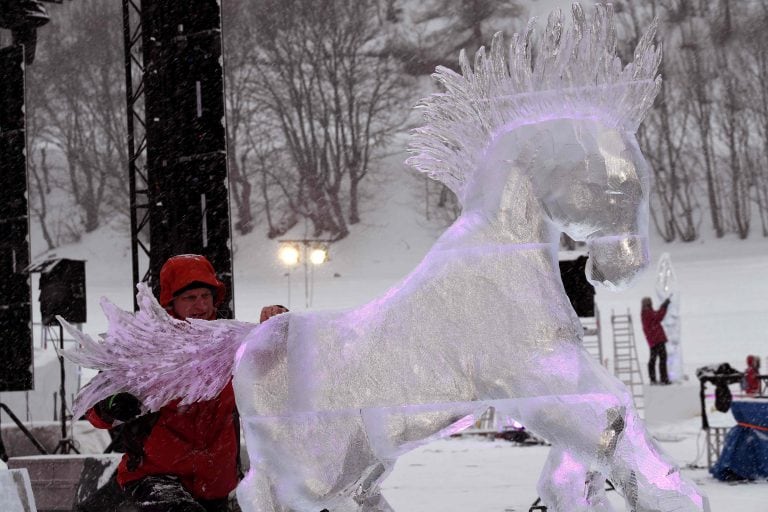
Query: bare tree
point(336, 96)
point(434, 31)
point(38, 169)
point(41, 189)
point(734, 135)
point(665, 133)
point(238, 75)
point(268, 159)
point(706, 135)
point(80, 107)
point(753, 65)
point(701, 77)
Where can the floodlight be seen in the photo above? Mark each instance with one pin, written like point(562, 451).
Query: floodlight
point(289, 254)
point(318, 256)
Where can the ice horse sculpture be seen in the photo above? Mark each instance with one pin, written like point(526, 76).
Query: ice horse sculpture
point(539, 144)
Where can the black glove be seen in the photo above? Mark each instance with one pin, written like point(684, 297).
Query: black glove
point(122, 407)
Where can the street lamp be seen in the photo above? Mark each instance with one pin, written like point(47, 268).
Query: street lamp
point(304, 251)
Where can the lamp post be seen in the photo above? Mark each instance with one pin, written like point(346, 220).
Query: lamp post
point(304, 251)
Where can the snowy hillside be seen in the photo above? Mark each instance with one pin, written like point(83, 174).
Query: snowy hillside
point(723, 294)
point(723, 283)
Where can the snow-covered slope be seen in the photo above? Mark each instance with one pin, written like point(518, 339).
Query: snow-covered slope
point(723, 294)
point(723, 283)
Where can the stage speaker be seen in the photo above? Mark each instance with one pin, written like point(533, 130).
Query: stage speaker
point(15, 290)
point(187, 180)
point(62, 291)
point(578, 289)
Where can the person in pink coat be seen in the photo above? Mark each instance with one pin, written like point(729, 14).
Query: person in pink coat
point(656, 338)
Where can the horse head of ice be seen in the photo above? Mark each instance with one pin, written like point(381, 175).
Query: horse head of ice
point(591, 182)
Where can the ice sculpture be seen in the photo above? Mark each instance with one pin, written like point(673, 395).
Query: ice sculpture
point(666, 287)
point(532, 146)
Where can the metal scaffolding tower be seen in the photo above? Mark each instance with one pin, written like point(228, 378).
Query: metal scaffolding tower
point(137, 136)
point(178, 177)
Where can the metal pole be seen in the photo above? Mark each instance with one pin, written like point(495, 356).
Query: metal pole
point(17, 421)
point(702, 396)
point(289, 287)
point(62, 392)
point(312, 284)
point(306, 275)
point(131, 148)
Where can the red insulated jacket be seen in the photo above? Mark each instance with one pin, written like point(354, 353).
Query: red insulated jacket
point(198, 443)
point(654, 332)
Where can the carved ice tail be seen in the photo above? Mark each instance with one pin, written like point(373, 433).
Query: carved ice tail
point(154, 356)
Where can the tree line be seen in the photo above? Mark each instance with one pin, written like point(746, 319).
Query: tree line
point(707, 136)
point(316, 89)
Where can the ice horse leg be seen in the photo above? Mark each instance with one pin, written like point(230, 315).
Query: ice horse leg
point(312, 461)
point(573, 478)
point(256, 492)
point(601, 432)
point(588, 415)
point(364, 494)
point(567, 483)
point(651, 481)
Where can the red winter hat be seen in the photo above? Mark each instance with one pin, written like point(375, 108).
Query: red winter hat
point(181, 272)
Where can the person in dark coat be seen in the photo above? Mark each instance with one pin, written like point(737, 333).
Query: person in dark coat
point(180, 458)
point(656, 338)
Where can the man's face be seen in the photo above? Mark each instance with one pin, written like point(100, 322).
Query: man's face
point(195, 303)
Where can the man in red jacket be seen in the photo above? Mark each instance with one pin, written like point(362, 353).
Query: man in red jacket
point(656, 338)
point(180, 458)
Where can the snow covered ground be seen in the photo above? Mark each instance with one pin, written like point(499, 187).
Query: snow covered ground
point(724, 300)
point(461, 475)
point(724, 309)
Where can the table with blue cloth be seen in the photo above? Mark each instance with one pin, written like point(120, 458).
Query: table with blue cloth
point(745, 450)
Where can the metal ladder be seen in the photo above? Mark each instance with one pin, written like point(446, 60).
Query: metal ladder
point(626, 366)
point(592, 340)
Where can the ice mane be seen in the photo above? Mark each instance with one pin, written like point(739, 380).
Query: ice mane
point(575, 72)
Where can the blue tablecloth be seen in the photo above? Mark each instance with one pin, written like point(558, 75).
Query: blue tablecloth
point(745, 450)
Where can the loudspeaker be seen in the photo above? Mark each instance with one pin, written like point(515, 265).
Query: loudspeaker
point(184, 81)
point(62, 292)
point(578, 289)
point(13, 163)
point(15, 289)
point(187, 182)
point(16, 348)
